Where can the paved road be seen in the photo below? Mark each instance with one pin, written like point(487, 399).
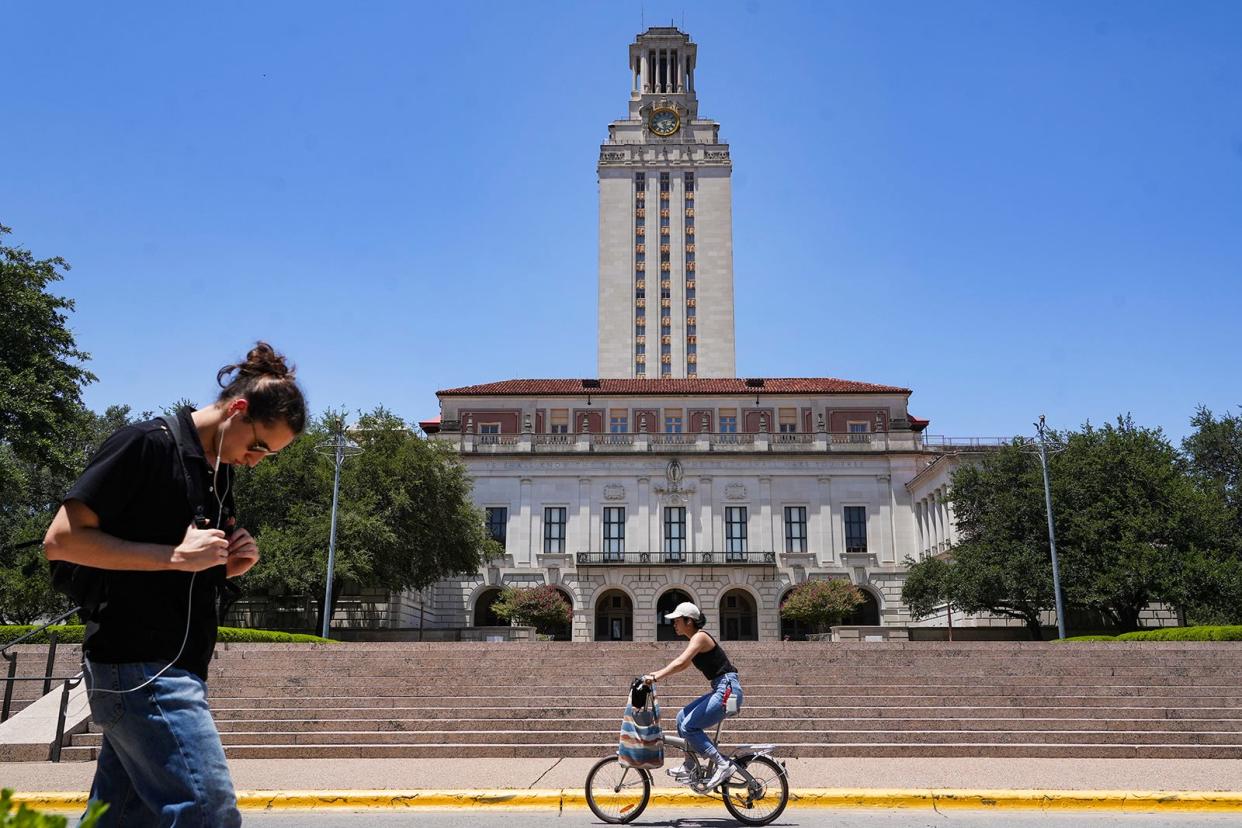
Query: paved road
point(707, 818)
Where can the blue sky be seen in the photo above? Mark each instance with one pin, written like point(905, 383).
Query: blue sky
point(1011, 208)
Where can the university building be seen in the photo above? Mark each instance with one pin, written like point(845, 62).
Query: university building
point(667, 477)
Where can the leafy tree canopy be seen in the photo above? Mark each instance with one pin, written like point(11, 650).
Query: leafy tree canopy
point(41, 379)
point(405, 519)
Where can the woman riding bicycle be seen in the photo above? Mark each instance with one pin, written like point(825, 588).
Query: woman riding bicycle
point(709, 709)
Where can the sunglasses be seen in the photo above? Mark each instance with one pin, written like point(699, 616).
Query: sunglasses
point(258, 446)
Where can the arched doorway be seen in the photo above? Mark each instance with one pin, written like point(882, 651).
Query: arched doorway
point(738, 619)
point(792, 630)
point(867, 614)
point(563, 632)
point(483, 615)
point(614, 617)
point(667, 603)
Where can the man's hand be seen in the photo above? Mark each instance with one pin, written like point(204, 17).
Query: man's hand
point(200, 549)
point(243, 553)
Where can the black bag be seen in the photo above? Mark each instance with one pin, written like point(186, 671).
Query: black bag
point(88, 586)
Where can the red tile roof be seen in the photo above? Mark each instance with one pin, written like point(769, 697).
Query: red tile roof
point(916, 424)
point(670, 387)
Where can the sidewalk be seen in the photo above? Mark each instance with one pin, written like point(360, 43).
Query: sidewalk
point(886, 782)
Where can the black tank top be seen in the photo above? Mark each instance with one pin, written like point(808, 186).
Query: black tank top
point(713, 663)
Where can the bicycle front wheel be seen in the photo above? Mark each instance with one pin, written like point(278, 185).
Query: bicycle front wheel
point(761, 801)
point(616, 793)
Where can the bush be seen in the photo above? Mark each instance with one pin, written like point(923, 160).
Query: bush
point(26, 817)
point(541, 607)
point(820, 604)
point(1233, 633)
point(74, 633)
point(1222, 633)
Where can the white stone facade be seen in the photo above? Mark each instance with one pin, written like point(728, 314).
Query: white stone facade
point(753, 512)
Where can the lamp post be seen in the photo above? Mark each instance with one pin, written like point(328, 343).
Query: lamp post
point(340, 447)
point(1042, 428)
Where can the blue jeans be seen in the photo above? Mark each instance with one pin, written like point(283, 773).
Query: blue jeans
point(706, 711)
point(162, 763)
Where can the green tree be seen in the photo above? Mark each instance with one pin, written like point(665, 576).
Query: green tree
point(1215, 453)
point(542, 607)
point(404, 520)
point(927, 586)
point(1133, 526)
point(821, 603)
point(1002, 563)
point(41, 380)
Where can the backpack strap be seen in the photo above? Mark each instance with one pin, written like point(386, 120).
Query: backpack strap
point(193, 484)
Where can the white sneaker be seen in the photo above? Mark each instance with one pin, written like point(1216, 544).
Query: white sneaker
point(682, 772)
point(723, 771)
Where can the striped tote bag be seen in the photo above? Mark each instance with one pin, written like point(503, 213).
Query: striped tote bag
point(642, 742)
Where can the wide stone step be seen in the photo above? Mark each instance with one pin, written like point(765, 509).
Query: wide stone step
point(530, 692)
point(781, 737)
point(803, 674)
point(789, 701)
point(740, 725)
point(840, 750)
point(542, 714)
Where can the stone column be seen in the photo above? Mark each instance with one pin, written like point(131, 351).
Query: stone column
point(644, 516)
point(708, 517)
point(823, 510)
point(525, 525)
point(767, 537)
point(582, 526)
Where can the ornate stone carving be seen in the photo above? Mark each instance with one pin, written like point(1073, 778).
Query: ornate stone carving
point(735, 491)
point(614, 491)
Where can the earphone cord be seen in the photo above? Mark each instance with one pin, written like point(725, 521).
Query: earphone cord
point(189, 598)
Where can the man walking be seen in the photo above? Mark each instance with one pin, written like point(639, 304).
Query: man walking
point(145, 540)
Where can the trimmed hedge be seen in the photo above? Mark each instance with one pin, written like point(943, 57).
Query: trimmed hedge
point(1228, 633)
point(74, 633)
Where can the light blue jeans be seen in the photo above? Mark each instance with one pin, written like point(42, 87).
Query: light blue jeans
point(707, 711)
point(162, 763)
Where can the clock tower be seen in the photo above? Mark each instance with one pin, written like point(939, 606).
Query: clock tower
point(665, 225)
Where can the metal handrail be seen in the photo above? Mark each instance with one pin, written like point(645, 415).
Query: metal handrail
point(11, 658)
point(38, 630)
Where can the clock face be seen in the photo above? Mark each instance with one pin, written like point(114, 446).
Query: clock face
point(665, 122)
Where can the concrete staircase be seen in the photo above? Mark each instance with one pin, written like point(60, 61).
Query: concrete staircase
point(1149, 700)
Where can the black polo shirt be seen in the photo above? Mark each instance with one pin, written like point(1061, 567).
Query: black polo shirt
point(135, 485)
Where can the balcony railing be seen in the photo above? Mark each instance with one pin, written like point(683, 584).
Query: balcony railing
point(676, 559)
point(740, 442)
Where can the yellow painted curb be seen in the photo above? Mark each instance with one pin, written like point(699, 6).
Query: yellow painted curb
point(1134, 801)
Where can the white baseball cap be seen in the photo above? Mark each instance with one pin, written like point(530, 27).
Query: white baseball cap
point(685, 610)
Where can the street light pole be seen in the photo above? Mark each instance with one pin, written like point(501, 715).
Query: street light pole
point(1042, 427)
point(340, 447)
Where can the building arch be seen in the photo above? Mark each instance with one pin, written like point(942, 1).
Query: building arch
point(739, 615)
point(614, 615)
point(564, 632)
point(481, 614)
point(867, 614)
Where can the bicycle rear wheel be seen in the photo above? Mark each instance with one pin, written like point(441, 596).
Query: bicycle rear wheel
point(617, 793)
point(761, 801)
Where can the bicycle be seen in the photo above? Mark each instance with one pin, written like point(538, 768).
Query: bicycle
point(755, 794)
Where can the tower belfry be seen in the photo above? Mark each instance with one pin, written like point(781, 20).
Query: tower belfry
point(665, 225)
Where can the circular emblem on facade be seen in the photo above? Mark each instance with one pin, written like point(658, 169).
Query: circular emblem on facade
point(664, 121)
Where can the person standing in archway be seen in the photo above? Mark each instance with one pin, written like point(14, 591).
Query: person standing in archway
point(707, 710)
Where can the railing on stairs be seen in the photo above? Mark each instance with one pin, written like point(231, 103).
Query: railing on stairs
point(10, 655)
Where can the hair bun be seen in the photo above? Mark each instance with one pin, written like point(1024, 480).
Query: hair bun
point(264, 361)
